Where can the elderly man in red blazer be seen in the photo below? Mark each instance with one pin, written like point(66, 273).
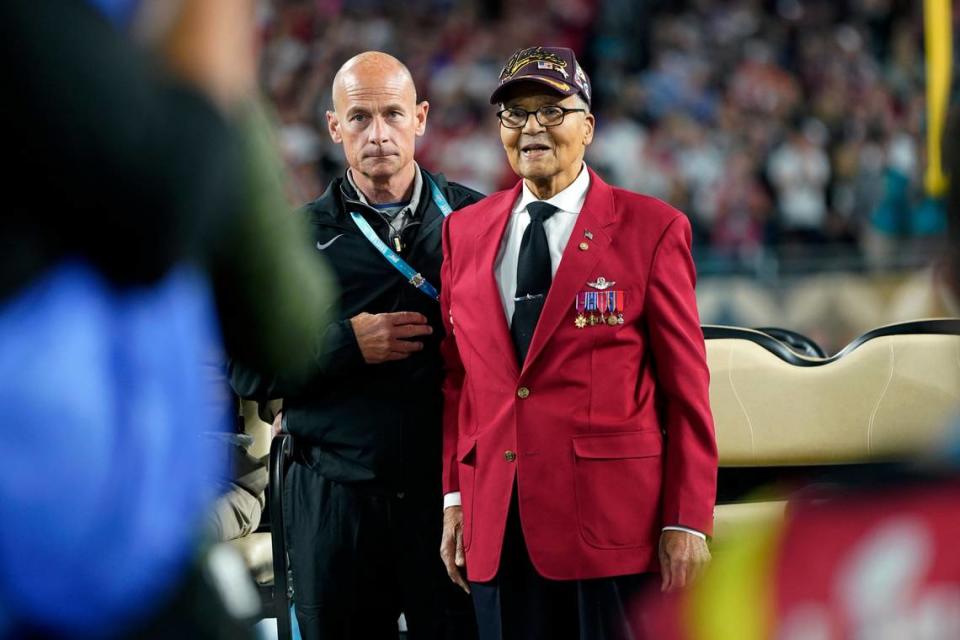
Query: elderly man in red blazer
point(579, 452)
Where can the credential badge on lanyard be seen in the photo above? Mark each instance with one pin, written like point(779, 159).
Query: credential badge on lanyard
point(412, 275)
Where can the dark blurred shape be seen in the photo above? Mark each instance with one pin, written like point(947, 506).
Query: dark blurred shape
point(100, 139)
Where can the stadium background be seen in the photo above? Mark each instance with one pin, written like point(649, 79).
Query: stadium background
point(792, 133)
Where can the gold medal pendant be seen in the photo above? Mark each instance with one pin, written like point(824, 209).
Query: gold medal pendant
point(593, 320)
point(581, 302)
point(612, 320)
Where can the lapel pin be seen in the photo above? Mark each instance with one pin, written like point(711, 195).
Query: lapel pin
point(588, 234)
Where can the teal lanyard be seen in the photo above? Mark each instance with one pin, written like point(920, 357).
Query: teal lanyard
point(412, 275)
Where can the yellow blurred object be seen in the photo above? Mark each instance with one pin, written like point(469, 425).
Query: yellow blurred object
point(735, 600)
point(939, 52)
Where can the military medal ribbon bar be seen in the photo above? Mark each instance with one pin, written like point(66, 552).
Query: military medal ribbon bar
point(599, 308)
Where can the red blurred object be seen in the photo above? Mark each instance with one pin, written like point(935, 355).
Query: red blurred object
point(878, 565)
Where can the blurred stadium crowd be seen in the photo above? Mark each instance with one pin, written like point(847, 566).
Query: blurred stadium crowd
point(786, 130)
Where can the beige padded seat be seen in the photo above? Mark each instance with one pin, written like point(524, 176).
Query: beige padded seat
point(888, 397)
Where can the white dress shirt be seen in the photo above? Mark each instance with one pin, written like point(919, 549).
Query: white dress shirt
point(558, 228)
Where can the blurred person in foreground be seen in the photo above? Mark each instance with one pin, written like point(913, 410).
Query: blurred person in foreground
point(132, 195)
point(363, 493)
point(579, 459)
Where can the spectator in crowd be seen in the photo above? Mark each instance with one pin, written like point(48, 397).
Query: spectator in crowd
point(742, 207)
point(800, 170)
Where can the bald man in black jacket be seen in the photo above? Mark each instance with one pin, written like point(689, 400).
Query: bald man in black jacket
point(363, 493)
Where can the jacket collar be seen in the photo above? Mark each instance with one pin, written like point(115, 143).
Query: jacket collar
point(354, 200)
point(355, 196)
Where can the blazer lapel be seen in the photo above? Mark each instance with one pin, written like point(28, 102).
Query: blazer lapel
point(488, 246)
point(597, 216)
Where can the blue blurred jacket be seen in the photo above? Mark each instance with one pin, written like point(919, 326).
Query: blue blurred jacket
point(104, 473)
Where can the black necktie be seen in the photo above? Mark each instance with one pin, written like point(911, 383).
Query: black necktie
point(533, 278)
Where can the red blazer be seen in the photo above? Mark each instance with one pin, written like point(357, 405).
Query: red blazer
point(607, 429)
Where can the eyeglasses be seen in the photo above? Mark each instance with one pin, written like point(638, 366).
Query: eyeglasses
point(548, 116)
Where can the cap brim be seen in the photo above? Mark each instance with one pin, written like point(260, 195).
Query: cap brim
point(563, 88)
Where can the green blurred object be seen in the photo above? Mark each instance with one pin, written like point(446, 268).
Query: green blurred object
point(274, 292)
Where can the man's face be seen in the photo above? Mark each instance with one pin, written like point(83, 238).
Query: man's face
point(377, 120)
point(540, 153)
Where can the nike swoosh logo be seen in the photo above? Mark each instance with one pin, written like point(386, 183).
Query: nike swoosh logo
point(328, 243)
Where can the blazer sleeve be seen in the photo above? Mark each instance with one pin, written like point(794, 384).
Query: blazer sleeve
point(683, 380)
point(453, 381)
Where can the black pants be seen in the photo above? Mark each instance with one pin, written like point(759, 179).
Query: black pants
point(520, 604)
point(360, 557)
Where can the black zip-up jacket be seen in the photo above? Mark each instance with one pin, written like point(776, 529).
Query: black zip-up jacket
point(351, 421)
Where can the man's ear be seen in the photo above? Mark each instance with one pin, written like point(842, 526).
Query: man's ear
point(589, 123)
point(421, 115)
point(333, 127)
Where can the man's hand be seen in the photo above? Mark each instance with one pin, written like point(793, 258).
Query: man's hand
point(387, 336)
point(683, 558)
point(451, 546)
point(278, 424)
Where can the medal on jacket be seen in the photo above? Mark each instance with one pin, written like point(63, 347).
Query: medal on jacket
point(579, 304)
point(612, 317)
point(598, 308)
point(592, 307)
